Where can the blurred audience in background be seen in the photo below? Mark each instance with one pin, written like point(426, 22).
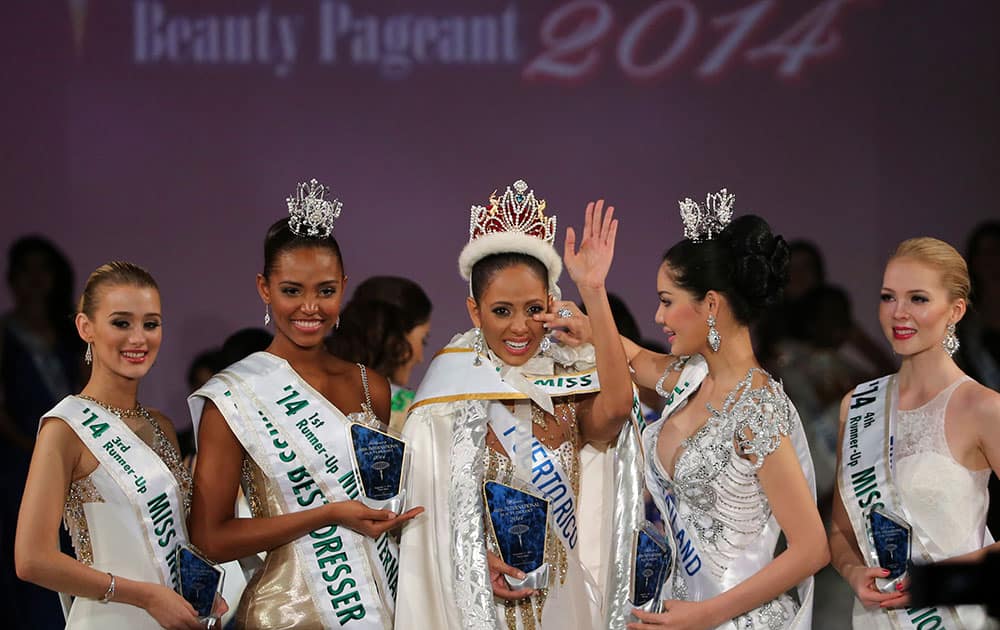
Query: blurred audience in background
point(386, 326)
point(41, 361)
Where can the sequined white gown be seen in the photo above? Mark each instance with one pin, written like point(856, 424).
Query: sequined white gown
point(943, 499)
point(719, 497)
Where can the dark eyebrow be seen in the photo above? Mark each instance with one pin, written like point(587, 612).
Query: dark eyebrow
point(129, 314)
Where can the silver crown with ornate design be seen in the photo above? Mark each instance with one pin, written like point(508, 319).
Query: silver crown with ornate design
point(310, 215)
point(702, 222)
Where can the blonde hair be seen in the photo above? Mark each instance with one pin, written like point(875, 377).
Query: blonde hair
point(114, 273)
point(942, 257)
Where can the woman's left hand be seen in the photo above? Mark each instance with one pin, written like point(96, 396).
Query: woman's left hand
point(902, 598)
point(589, 266)
point(571, 331)
point(679, 615)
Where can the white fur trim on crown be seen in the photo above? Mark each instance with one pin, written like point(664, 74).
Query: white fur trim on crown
point(502, 242)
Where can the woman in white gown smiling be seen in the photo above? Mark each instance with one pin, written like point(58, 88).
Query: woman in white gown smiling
point(502, 403)
point(944, 429)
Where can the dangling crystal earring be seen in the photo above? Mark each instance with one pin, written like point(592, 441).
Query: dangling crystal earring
point(88, 356)
point(336, 324)
point(950, 341)
point(477, 347)
point(714, 338)
point(545, 345)
point(267, 313)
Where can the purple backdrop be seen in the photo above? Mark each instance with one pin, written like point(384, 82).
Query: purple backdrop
point(170, 132)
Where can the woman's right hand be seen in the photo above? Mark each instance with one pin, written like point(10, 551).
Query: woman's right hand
point(169, 609)
point(498, 569)
point(365, 520)
point(862, 581)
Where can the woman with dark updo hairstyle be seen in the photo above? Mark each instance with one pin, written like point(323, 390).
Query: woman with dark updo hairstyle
point(727, 463)
point(276, 422)
point(385, 326)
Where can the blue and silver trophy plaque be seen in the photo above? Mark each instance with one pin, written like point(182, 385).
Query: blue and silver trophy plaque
point(889, 538)
point(652, 566)
point(519, 522)
point(380, 462)
point(199, 581)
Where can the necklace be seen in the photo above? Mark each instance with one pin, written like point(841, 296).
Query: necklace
point(136, 412)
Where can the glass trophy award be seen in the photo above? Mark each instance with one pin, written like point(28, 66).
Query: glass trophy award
point(199, 581)
point(381, 462)
point(889, 539)
point(519, 522)
point(652, 566)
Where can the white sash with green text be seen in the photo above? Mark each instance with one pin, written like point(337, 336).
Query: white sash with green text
point(300, 441)
point(866, 480)
point(140, 473)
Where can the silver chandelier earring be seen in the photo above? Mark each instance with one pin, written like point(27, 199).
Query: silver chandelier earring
point(950, 341)
point(477, 347)
point(267, 313)
point(714, 338)
point(88, 356)
point(336, 324)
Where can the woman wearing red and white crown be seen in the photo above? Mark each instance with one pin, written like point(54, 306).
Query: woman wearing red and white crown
point(502, 402)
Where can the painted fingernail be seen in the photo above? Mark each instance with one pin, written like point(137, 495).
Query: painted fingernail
point(520, 575)
point(899, 587)
point(885, 571)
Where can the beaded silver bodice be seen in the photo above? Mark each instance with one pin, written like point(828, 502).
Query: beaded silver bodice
point(716, 489)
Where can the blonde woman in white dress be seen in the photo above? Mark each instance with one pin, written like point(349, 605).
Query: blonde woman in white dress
point(109, 468)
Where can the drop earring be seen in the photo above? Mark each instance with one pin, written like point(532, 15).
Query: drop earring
point(267, 313)
point(950, 341)
point(477, 347)
point(88, 356)
point(714, 338)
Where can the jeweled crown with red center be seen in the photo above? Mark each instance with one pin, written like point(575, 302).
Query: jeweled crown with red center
point(514, 222)
point(516, 210)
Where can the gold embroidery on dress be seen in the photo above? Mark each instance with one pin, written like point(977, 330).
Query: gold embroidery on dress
point(80, 491)
point(563, 439)
point(250, 490)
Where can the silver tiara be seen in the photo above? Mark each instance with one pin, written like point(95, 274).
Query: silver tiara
point(701, 223)
point(311, 215)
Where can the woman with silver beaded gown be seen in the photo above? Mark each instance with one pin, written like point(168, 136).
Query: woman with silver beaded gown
point(727, 463)
point(111, 468)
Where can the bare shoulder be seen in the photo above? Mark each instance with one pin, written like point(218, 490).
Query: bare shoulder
point(56, 433)
point(977, 402)
point(378, 386)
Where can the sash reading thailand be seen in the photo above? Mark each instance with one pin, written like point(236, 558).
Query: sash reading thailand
point(652, 566)
point(519, 524)
point(139, 472)
point(298, 439)
point(381, 462)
